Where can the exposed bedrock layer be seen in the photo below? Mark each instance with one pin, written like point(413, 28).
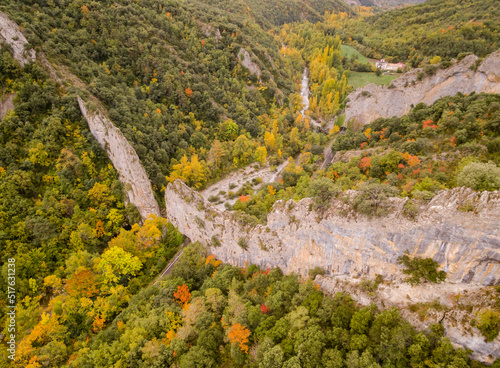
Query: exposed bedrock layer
point(124, 159)
point(371, 102)
point(347, 246)
point(6, 104)
point(12, 35)
point(465, 244)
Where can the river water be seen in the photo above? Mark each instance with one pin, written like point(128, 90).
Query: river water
point(304, 92)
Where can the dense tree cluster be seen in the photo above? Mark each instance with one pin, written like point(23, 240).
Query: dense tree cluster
point(418, 33)
point(271, 13)
point(64, 221)
point(167, 72)
point(233, 317)
point(453, 142)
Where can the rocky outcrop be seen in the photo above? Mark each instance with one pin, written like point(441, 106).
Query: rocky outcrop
point(12, 35)
point(296, 238)
point(208, 30)
point(246, 60)
point(371, 102)
point(347, 247)
point(125, 160)
point(6, 104)
point(455, 306)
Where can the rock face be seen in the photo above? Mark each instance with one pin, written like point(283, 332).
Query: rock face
point(246, 60)
point(346, 246)
point(6, 104)
point(465, 244)
point(125, 160)
point(372, 102)
point(12, 35)
point(459, 305)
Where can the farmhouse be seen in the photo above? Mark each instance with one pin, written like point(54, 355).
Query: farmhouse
point(384, 65)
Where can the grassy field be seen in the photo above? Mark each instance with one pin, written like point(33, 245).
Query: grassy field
point(357, 79)
point(348, 51)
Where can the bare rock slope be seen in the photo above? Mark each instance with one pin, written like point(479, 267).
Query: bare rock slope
point(347, 246)
point(12, 35)
point(6, 104)
point(371, 102)
point(124, 159)
point(465, 244)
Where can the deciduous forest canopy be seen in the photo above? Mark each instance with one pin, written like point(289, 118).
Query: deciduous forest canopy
point(201, 89)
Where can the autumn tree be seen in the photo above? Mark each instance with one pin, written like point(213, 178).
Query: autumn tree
point(82, 284)
point(183, 296)
point(117, 264)
point(239, 334)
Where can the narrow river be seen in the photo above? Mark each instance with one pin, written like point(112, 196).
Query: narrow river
point(304, 93)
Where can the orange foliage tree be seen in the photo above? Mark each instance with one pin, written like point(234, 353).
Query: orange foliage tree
point(239, 334)
point(365, 164)
point(82, 284)
point(183, 296)
point(244, 198)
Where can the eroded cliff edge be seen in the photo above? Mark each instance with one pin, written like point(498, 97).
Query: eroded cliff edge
point(124, 159)
point(371, 102)
point(349, 246)
point(296, 239)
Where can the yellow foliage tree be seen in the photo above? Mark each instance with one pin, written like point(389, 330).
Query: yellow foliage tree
point(260, 154)
point(194, 172)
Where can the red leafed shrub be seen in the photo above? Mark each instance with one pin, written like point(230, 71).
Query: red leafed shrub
point(264, 309)
point(244, 198)
point(365, 164)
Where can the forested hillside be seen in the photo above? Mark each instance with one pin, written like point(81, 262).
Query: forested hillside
point(168, 73)
point(418, 33)
point(277, 12)
point(63, 220)
point(201, 89)
point(454, 142)
point(208, 314)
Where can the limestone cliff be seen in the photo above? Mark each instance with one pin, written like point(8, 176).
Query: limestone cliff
point(6, 104)
point(466, 244)
point(371, 102)
point(12, 35)
point(246, 60)
point(124, 159)
point(347, 246)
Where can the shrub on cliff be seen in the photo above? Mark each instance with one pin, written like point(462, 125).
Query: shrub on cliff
point(372, 199)
point(489, 323)
point(322, 190)
point(421, 270)
point(480, 176)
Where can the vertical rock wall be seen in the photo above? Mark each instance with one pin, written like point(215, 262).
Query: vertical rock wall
point(125, 160)
point(371, 102)
point(296, 239)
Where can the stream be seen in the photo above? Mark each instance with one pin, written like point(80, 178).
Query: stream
point(304, 93)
